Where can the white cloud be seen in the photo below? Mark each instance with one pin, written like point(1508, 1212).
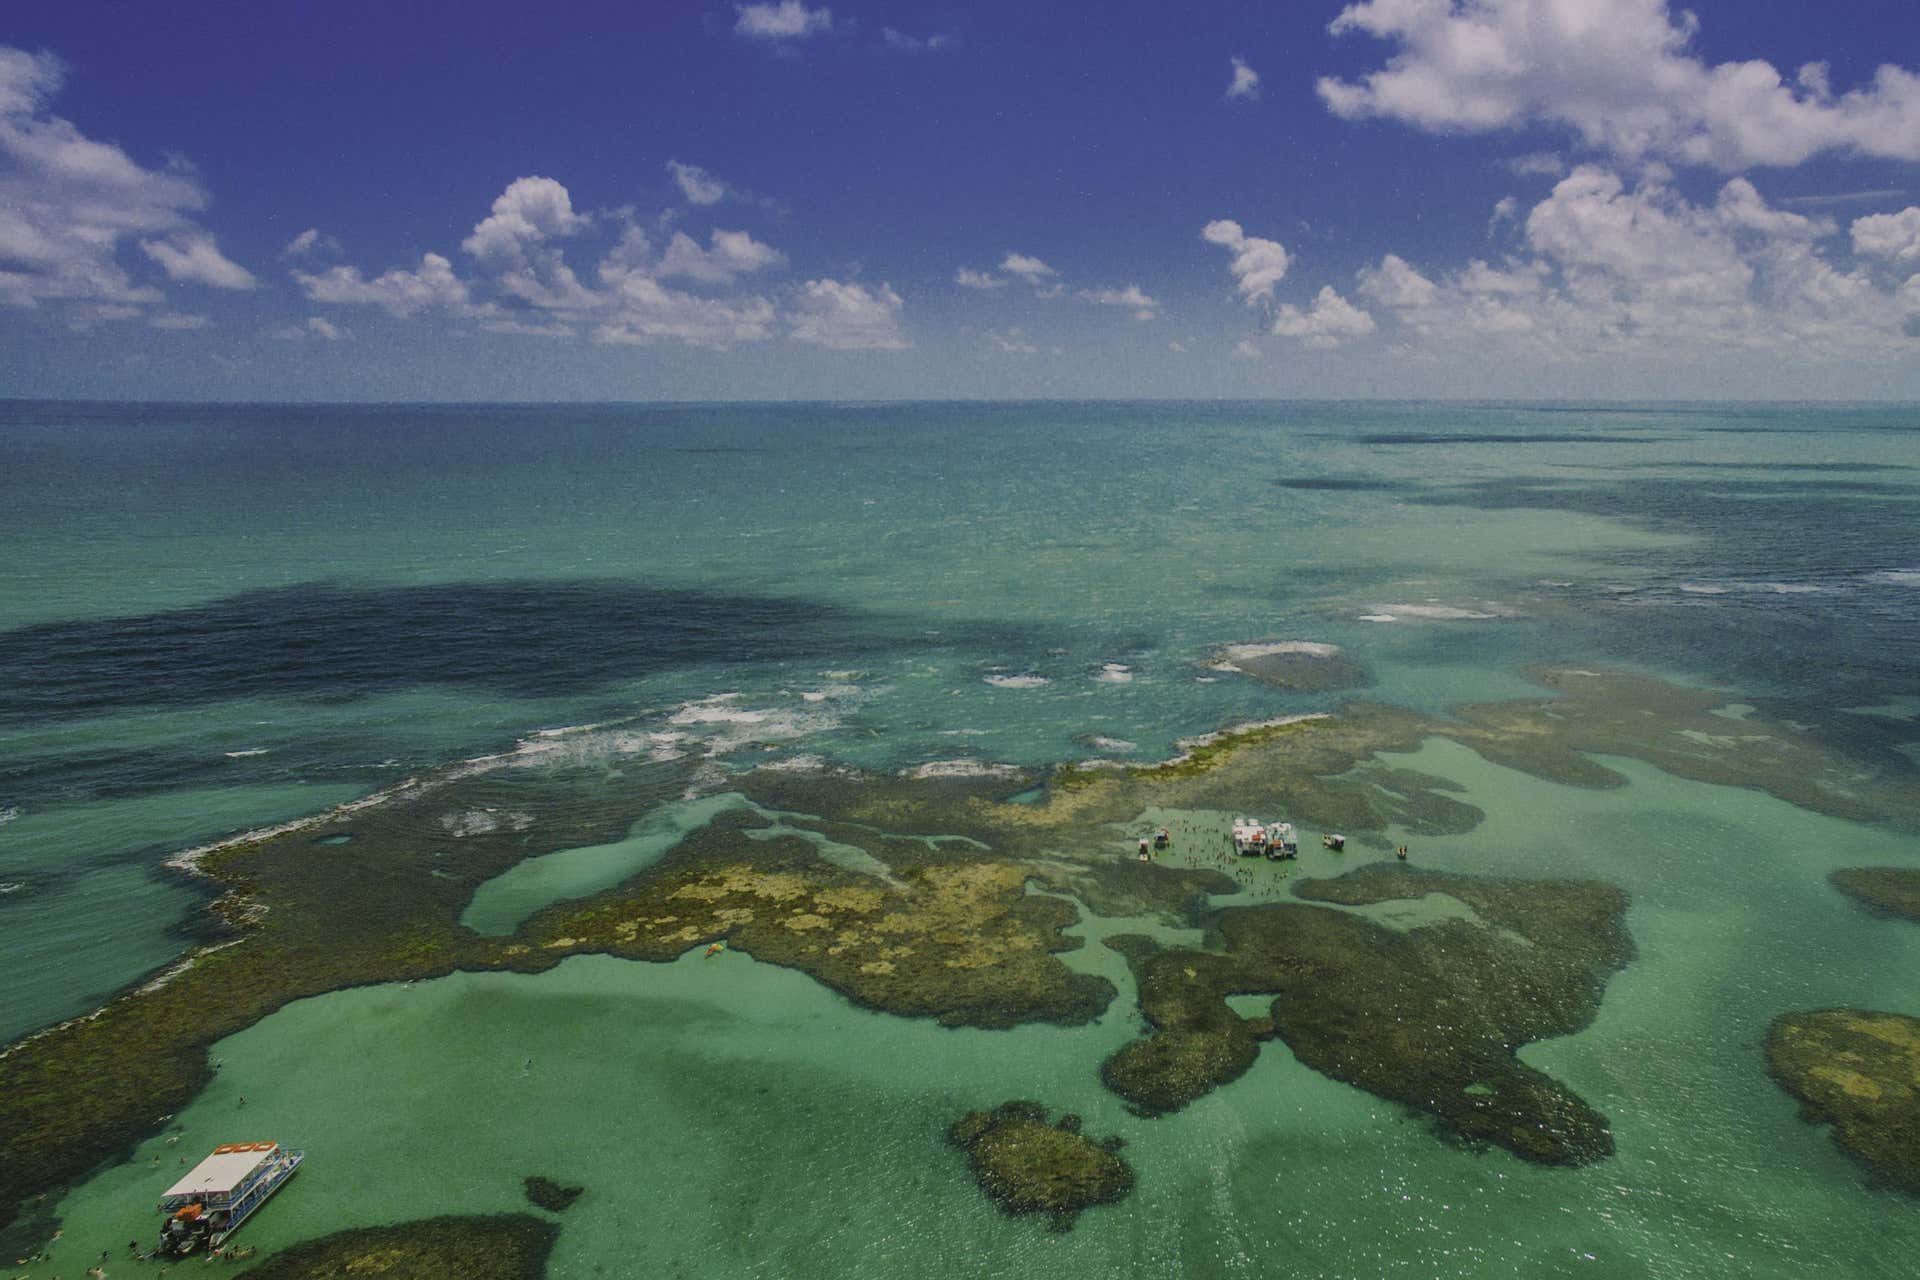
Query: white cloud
point(848, 317)
point(178, 321)
point(1012, 341)
point(310, 241)
point(904, 43)
point(730, 255)
point(1177, 346)
point(1246, 81)
point(647, 311)
point(787, 20)
point(1395, 284)
point(191, 257)
point(1258, 265)
point(1331, 320)
point(1620, 75)
point(1143, 307)
point(549, 329)
point(1032, 270)
point(1893, 236)
point(511, 243)
point(315, 327)
point(1246, 350)
point(431, 286)
point(69, 204)
point(1610, 270)
point(1537, 164)
point(698, 185)
point(968, 278)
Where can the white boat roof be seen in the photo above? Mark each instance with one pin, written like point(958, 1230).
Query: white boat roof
point(224, 1170)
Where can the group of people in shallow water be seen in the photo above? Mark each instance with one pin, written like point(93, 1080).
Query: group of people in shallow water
point(1241, 867)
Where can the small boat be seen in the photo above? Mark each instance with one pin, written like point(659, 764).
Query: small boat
point(1283, 835)
point(1162, 838)
point(716, 948)
point(208, 1205)
point(1333, 842)
point(1249, 838)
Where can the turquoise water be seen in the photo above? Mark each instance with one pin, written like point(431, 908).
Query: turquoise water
point(214, 619)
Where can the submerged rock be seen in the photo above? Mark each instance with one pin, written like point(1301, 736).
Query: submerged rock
point(502, 1247)
point(1860, 1072)
point(547, 1194)
point(1026, 1165)
point(1429, 1016)
point(1890, 891)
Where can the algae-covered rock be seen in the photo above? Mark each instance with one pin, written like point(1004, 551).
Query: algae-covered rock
point(502, 1247)
point(547, 1194)
point(1427, 1016)
point(1860, 1072)
point(1891, 891)
point(1027, 1165)
point(1305, 666)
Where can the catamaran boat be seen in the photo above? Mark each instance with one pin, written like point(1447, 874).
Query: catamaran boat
point(1282, 841)
point(1249, 838)
point(220, 1193)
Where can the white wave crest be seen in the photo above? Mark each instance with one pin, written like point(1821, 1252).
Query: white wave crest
point(8, 813)
point(251, 751)
point(1444, 612)
point(966, 767)
point(1114, 673)
point(482, 822)
point(1016, 682)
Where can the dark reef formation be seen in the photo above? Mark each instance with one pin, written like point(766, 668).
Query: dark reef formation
point(1027, 1165)
point(503, 1247)
point(1429, 1016)
point(1888, 891)
point(950, 930)
point(1860, 1072)
point(545, 1193)
point(1301, 666)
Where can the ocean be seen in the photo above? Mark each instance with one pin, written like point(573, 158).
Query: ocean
point(221, 618)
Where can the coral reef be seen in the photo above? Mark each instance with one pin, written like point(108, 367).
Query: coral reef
point(1428, 1016)
point(1889, 891)
point(545, 1193)
point(501, 1247)
point(1026, 1165)
point(1860, 1072)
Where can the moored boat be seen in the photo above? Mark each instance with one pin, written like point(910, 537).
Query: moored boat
point(208, 1205)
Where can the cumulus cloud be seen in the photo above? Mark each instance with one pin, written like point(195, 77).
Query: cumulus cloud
point(1142, 306)
point(513, 243)
point(1892, 236)
point(176, 320)
point(1611, 269)
point(317, 327)
point(1537, 164)
point(69, 204)
point(968, 278)
point(698, 185)
point(1013, 342)
point(190, 257)
point(787, 20)
point(1258, 265)
point(729, 255)
point(1621, 75)
point(1245, 82)
point(1330, 320)
point(1030, 269)
point(848, 317)
point(647, 311)
point(400, 293)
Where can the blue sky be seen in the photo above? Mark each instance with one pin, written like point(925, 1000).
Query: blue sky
point(1562, 198)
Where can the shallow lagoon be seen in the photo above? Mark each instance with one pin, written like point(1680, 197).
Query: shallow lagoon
point(727, 1114)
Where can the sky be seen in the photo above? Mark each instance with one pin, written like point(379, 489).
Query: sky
point(849, 199)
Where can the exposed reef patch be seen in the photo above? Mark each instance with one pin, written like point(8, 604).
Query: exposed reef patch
point(501, 1247)
point(1860, 1072)
point(1429, 1016)
point(1027, 1165)
point(1304, 666)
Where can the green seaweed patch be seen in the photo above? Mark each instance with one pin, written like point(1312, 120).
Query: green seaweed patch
point(961, 941)
point(554, 1197)
point(512, 1246)
point(1027, 1165)
point(1859, 1071)
point(1429, 1017)
point(1887, 891)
